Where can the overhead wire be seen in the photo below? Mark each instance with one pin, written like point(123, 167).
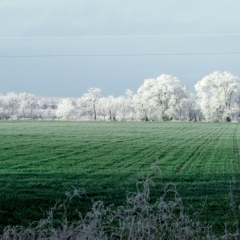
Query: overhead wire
point(122, 36)
point(118, 55)
point(125, 54)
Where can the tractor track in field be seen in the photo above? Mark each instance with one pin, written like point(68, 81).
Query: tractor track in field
point(234, 164)
point(235, 161)
point(168, 147)
point(236, 151)
point(197, 150)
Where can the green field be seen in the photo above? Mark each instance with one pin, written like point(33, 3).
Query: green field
point(41, 160)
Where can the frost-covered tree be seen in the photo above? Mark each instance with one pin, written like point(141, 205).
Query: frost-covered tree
point(47, 107)
point(160, 97)
point(17, 106)
point(65, 109)
point(91, 98)
point(112, 106)
point(236, 105)
point(216, 92)
point(102, 108)
point(109, 107)
point(131, 112)
point(11, 104)
point(2, 108)
point(121, 108)
point(27, 105)
point(115, 108)
point(188, 109)
point(142, 105)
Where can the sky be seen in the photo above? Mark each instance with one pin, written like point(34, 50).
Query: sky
point(61, 48)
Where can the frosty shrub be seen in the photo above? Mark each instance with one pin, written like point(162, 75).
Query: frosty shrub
point(138, 218)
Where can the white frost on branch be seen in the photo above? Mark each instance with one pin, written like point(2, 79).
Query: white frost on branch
point(216, 93)
point(65, 109)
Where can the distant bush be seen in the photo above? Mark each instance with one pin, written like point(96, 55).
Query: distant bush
point(138, 218)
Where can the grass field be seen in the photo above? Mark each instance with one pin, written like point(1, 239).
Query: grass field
point(40, 161)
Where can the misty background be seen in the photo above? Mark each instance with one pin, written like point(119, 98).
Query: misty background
point(118, 43)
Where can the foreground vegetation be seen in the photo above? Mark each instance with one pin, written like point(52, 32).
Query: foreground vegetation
point(39, 161)
point(138, 219)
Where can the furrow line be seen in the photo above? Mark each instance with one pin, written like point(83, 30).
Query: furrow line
point(197, 150)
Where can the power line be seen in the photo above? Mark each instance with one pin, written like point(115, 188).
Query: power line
point(119, 55)
point(128, 36)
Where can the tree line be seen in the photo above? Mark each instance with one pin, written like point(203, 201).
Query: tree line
point(164, 98)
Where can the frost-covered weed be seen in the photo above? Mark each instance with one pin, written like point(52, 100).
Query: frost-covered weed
point(138, 218)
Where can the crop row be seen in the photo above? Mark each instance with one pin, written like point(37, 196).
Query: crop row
point(39, 161)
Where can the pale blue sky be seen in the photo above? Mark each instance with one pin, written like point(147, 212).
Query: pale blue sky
point(71, 76)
